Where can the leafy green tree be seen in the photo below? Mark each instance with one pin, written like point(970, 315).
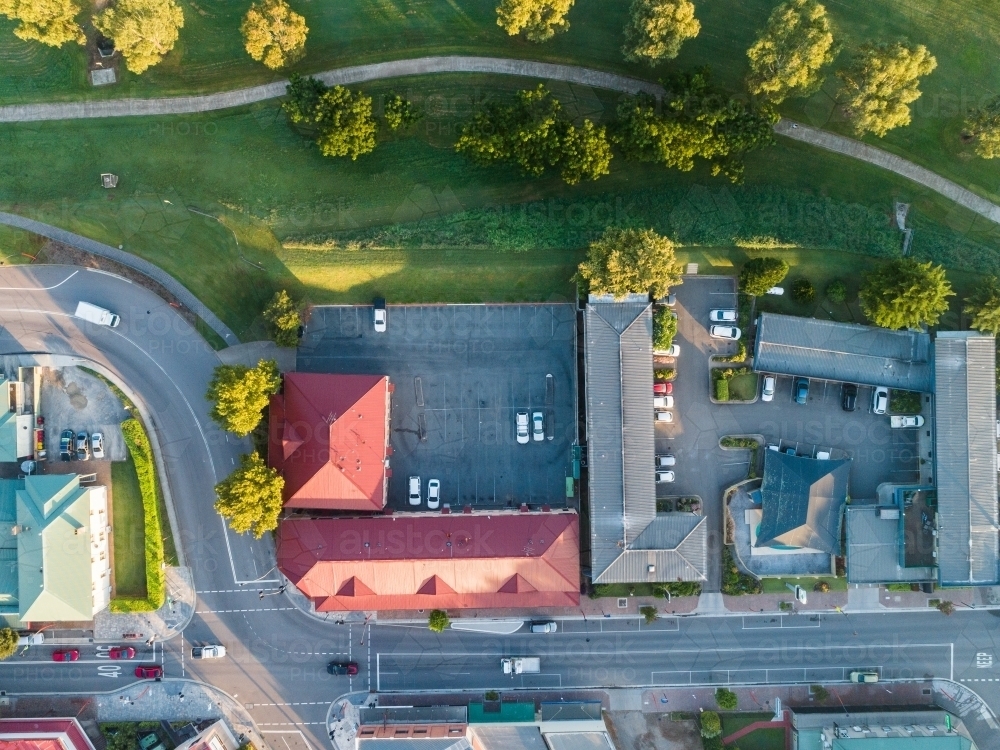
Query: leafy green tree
point(787, 57)
point(836, 291)
point(240, 394)
point(283, 316)
point(400, 112)
point(274, 34)
point(250, 497)
point(983, 123)
point(881, 83)
point(8, 643)
point(631, 261)
point(664, 328)
point(346, 125)
point(649, 614)
point(760, 274)
point(539, 19)
point(438, 621)
point(803, 291)
point(905, 293)
point(302, 100)
point(586, 153)
point(143, 30)
point(984, 306)
point(51, 22)
point(726, 699)
point(711, 724)
point(657, 29)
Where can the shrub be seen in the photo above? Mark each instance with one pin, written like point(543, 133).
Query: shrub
point(649, 614)
point(836, 291)
point(722, 389)
point(711, 724)
point(821, 587)
point(438, 621)
point(904, 402)
point(737, 442)
point(726, 699)
point(946, 607)
point(664, 374)
point(492, 695)
point(819, 692)
point(735, 582)
point(664, 328)
point(803, 291)
point(8, 643)
point(676, 588)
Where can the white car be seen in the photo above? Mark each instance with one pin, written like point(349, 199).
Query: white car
point(723, 316)
point(538, 426)
point(725, 332)
point(777, 291)
point(522, 427)
point(665, 461)
point(414, 490)
point(664, 416)
point(662, 477)
point(895, 421)
point(433, 494)
point(880, 400)
point(674, 350)
point(544, 627)
point(208, 652)
point(767, 394)
point(380, 316)
point(97, 444)
point(663, 402)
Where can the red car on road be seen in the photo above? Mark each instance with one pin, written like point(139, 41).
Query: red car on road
point(65, 655)
point(663, 389)
point(121, 652)
point(149, 673)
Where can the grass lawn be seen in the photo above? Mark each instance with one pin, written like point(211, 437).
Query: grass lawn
point(735, 721)
point(129, 531)
point(763, 739)
point(777, 585)
point(743, 387)
point(607, 590)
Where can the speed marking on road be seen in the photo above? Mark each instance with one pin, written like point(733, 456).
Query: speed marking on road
point(109, 670)
point(984, 660)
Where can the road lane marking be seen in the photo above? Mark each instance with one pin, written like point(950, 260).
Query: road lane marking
point(291, 723)
point(230, 611)
point(38, 288)
point(313, 703)
point(801, 621)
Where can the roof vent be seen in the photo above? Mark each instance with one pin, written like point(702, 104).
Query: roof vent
point(525, 508)
point(445, 509)
point(650, 569)
point(467, 509)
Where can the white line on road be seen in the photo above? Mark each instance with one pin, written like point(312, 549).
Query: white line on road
point(38, 288)
point(227, 611)
point(313, 703)
point(290, 723)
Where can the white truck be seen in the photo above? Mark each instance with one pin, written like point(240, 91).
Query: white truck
point(98, 315)
point(521, 665)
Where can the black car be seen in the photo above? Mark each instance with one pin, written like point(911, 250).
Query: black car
point(849, 397)
point(342, 667)
point(66, 445)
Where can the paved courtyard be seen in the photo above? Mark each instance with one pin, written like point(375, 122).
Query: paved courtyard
point(461, 373)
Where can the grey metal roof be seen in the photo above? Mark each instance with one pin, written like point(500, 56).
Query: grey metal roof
point(509, 738)
point(824, 349)
point(965, 455)
point(675, 544)
point(579, 741)
point(873, 549)
point(414, 715)
point(413, 743)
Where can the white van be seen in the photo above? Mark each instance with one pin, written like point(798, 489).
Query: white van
point(98, 315)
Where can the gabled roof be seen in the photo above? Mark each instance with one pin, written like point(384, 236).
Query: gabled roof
point(43, 734)
point(803, 500)
point(419, 561)
point(328, 437)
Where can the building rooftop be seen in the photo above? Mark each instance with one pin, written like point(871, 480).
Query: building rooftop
point(874, 549)
point(43, 734)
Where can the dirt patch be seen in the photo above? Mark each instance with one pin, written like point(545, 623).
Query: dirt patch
point(635, 730)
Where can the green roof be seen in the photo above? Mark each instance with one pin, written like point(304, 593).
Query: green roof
point(950, 741)
point(509, 712)
point(8, 548)
point(8, 436)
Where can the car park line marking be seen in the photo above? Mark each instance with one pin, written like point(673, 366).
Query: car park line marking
point(780, 619)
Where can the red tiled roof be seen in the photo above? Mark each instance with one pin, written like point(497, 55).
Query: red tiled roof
point(43, 734)
point(327, 436)
point(428, 560)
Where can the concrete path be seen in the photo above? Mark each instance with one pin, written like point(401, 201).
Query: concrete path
point(863, 152)
point(354, 74)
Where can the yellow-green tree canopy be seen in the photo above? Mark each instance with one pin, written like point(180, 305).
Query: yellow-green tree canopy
point(282, 313)
point(905, 293)
point(983, 123)
point(657, 29)
point(787, 57)
point(346, 125)
point(631, 261)
point(250, 497)
point(239, 395)
point(539, 19)
point(881, 84)
point(51, 22)
point(142, 30)
point(274, 34)
point(8, 643)
point(984, 306)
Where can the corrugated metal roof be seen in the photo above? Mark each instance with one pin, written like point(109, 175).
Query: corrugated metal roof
point(579, 741)
point(414, 715)
point(873, 549)
point(847, 352)
point(683, 556)
point(965, 455)
point(509, 738)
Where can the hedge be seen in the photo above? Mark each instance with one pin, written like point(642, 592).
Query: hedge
point(721, 389)
point(737, 442)
point(145, 469)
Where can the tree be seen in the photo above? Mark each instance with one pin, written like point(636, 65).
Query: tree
point(664, 328)
point(274, 34)
point(586, 153)
point(946, 607)
point(400, 112)
point(240, 394)
point(905, 293)
point(657, 29)
point(539, 19)
point(283, 315)
point(303, 98)
point(250, 497)
point(836, 291)
point(51, 22)
point(983, 123)
point(346, 125)
point(881, 84)
point(8, 643)
point(711, 725)
point(726, 699)
point(142, 30)
point(631, 261)
point(438, 621)
point(984, 306)
point(760, 274)
point(803, 291)
point(787, 57)
point(819, 692)
point(649, 614)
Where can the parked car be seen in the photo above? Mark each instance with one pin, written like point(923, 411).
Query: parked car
point(97, 444)
point(121, 652)
point(149, 673)
point(434, 494)
point(776, 290)
point(663, 389)
point(538, 426)
point(914, 420)
point(767, 393)
point(66, 654)
point(414, 485)
point(664, 416)
point(880, 400)
point(663, 402)
point(863, 676)
point(674, 350)
point(82, 447)
point(66, 445)
point(725, 332)
point(723, 316)
point(663, 477)
point(544, 627)
point(790, 452)
point(801, 390)
point(670, 300)
point(208, 652)
point(378, 315)
point(349, 668)
point(848, 397)
point(665, 460)
point(522, 427)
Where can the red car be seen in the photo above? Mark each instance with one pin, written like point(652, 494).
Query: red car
point(66, 655)
point(149, 673)
point(121, 652)
point(663, 389)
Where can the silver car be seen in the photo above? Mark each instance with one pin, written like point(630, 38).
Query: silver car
point(538, 426)
point(723, 316)
point(522, 427)
point(414, 484)
point(97, 444)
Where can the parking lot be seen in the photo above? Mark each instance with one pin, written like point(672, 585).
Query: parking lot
point(461, 373)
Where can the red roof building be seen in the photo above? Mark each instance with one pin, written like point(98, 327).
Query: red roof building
point(328, 437)
point(43, 734)
point(428, 561)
